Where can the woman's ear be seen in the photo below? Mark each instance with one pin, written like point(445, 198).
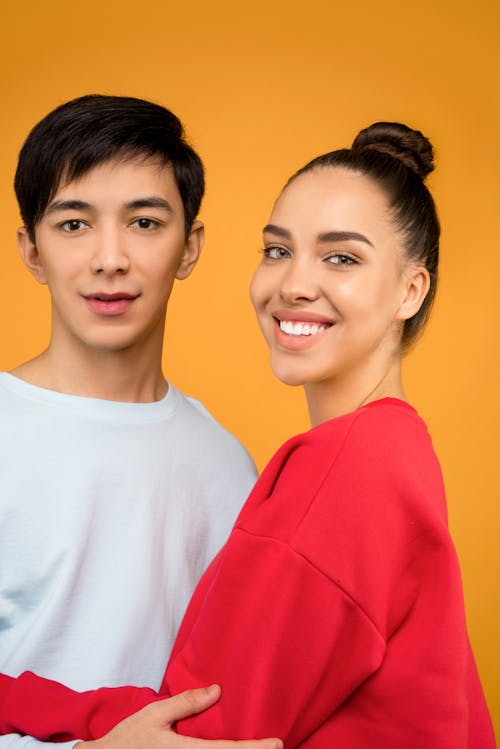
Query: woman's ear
point(417, 283)
point(192, 250)
point(30, 255)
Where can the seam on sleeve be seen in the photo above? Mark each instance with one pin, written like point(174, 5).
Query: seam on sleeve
point(318, 571)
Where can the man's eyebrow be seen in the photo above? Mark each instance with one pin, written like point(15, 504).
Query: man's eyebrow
point(68, 205)
point(342, 236)
point(153, 201)
point(273, 229)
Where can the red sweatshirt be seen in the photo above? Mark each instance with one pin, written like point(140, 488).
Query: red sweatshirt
point(333, 616)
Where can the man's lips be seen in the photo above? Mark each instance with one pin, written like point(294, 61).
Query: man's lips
point(110, 304)
point(107, 297)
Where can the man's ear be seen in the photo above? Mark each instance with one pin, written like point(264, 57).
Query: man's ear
point(417, 283)
point(192, 250)
point(30, 255)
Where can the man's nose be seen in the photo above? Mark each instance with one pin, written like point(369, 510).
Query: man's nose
point(110, 254)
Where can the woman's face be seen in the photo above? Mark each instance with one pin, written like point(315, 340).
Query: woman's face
point(332, 288)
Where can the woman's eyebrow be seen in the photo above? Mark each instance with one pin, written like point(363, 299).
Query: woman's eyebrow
point(327, 236)
point(273, 229)
point(342, 236)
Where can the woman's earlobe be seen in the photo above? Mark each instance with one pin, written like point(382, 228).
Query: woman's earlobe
point(30, 255)
point(417, 288)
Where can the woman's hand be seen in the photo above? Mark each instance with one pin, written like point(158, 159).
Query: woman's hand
point(152, 727)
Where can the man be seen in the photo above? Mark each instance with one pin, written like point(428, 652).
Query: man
point(115, 489)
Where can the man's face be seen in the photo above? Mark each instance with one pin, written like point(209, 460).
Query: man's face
point(109, 246)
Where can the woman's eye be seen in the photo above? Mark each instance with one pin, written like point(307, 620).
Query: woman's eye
point(145, 223)
point(341, 259)
point(73, 225)
point(276, 253)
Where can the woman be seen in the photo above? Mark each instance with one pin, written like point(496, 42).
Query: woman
point(333, 616)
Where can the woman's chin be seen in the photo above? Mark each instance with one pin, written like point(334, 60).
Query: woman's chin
point(289, 375)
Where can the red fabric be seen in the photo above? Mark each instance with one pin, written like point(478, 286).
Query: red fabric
point(334, 614)
point(50, 711)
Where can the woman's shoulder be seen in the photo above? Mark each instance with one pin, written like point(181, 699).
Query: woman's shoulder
point(384, 445)
point(383, 418)
point(388, 431)
point(385, 474)
point(381, 450)
point(386, 436)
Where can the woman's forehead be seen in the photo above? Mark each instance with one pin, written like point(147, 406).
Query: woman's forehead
point(329, 197)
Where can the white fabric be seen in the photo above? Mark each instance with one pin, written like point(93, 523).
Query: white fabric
point(109, 513)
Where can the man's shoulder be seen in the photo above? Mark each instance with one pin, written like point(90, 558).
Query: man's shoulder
point(11, 398)
point(208, 434)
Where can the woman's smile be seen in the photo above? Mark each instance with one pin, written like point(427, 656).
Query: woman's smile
point(328, 289)
point(297, 330)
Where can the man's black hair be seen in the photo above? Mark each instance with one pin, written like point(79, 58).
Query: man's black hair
point(90, 130)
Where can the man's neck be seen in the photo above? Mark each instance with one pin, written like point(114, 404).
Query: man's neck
point(129, 375)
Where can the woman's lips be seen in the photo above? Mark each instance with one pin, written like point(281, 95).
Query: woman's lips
point(298, 315)
point(300, 333)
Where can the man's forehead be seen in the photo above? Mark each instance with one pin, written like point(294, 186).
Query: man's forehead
point(130, 172)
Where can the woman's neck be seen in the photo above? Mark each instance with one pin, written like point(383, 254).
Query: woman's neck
point(331, 398)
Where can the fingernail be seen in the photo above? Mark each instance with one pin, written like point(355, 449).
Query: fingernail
point(214, 689)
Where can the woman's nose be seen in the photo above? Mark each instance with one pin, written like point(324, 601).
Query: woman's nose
point(299, 283)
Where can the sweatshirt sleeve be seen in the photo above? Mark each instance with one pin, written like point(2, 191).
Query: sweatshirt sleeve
point(49, 711)
point(15, 741)
point(286, 644)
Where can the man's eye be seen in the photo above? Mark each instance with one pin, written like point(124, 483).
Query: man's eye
point(145, 223)
point(341, 259)
point(276, 253)
point(73, 225)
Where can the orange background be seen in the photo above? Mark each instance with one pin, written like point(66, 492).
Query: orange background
point(263, 87)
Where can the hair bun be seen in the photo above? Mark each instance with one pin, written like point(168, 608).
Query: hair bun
point(409, 146)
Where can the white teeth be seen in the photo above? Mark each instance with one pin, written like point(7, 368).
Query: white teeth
point(300, 328)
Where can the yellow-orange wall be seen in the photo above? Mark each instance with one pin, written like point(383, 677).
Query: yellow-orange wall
point(263, 86)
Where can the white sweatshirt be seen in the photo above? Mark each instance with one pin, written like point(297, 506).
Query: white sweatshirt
point(109, 513)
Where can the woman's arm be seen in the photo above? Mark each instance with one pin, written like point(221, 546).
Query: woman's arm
point(36, 705)
point(50, 711)
point(286, 643)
